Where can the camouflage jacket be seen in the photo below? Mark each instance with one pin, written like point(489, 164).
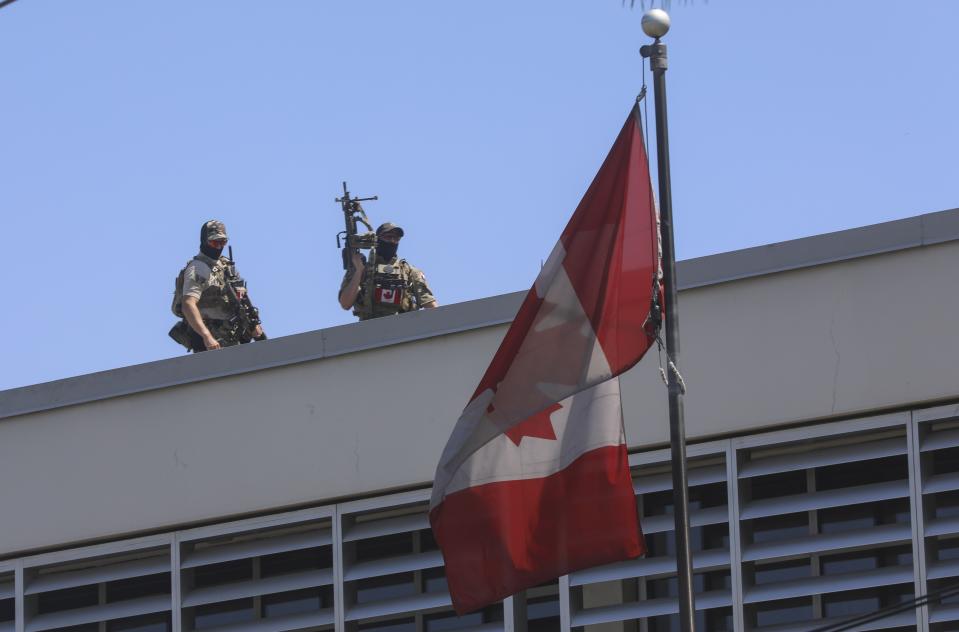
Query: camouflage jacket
point(398, 288)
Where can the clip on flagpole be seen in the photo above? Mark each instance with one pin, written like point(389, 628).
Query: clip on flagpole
point(656, 24)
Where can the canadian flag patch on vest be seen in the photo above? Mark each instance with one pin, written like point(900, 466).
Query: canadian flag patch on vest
point(390, 296)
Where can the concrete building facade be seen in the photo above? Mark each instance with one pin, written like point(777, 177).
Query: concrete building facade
point(283, 485)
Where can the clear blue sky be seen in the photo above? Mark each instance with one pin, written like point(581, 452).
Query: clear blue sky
point(125, 124)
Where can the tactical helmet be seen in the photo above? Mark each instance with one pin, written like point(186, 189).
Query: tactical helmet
point(212, 230)
point(389, 227)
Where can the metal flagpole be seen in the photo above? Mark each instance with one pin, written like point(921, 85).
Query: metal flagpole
point(656, 24)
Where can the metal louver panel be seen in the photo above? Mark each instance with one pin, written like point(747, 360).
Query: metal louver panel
point(648, 568)
point(390, 565)
point(821, 500)
point(255, 548)
point(97, 574)
point(648, 608)
point(384, 532)
point(254, 587)
point(697, 476)
point(697, 518)
point(943, 526)
point(825, 456)
point(939, 614)
point(382, 555)
point(93, 614)
point(946, 569)
point(941, 483)
point(902, 619)
point(398, 606)
point(825, 543)
point(827, 584)
point(272, 624)
point(940, 439)
point(389, 526)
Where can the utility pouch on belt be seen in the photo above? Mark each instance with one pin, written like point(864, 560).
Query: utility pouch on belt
point(180, 333)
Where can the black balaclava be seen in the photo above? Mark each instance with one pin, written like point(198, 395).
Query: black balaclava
point(205, 247)
point(386, 250)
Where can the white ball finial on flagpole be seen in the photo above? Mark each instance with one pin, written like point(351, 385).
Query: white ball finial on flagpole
point(655, 23)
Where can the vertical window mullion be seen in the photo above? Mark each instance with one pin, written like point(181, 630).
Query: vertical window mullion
point(735, 538)
point(914, 433)
point(641, 584)
point(419, 583)
point(509, 617)
point(339, 593)
point(176, 601)
point(515, 614)
point(19, 607)
point(565, 613)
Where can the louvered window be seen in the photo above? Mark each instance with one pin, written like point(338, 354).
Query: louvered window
point(830, 521)
point(393, 577)
point(647, 588)
point(826, 533)
point(542, 608)
point(7, 605)
point(939, 464)
point(278, 578)
point(119, 592)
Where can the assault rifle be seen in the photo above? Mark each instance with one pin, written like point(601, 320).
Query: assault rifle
point(246, 316)
point(353, 240)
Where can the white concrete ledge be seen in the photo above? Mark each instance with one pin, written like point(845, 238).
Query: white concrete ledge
point(913, 232)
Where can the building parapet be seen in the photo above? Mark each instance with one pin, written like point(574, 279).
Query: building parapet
point(913, 232)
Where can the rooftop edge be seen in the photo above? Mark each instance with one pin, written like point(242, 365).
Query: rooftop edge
point(903, 234)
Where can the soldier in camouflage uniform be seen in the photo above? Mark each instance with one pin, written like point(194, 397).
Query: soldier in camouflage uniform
point(398, 286)
point(201, 298)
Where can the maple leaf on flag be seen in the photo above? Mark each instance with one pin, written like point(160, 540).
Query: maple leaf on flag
point(538, 426)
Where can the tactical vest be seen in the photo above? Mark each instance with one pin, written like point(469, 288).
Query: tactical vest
point(214, 298)
point(391, 291)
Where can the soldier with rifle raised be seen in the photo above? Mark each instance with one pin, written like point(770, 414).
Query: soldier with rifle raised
point(211, 298)
point(380, 284)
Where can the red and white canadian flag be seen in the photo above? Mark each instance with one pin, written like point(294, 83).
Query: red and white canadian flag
point(534, 482)
point(389, 295)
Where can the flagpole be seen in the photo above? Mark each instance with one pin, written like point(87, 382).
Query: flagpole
point(656, 24)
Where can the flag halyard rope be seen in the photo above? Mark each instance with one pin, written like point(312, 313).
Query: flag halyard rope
point(673, 369)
